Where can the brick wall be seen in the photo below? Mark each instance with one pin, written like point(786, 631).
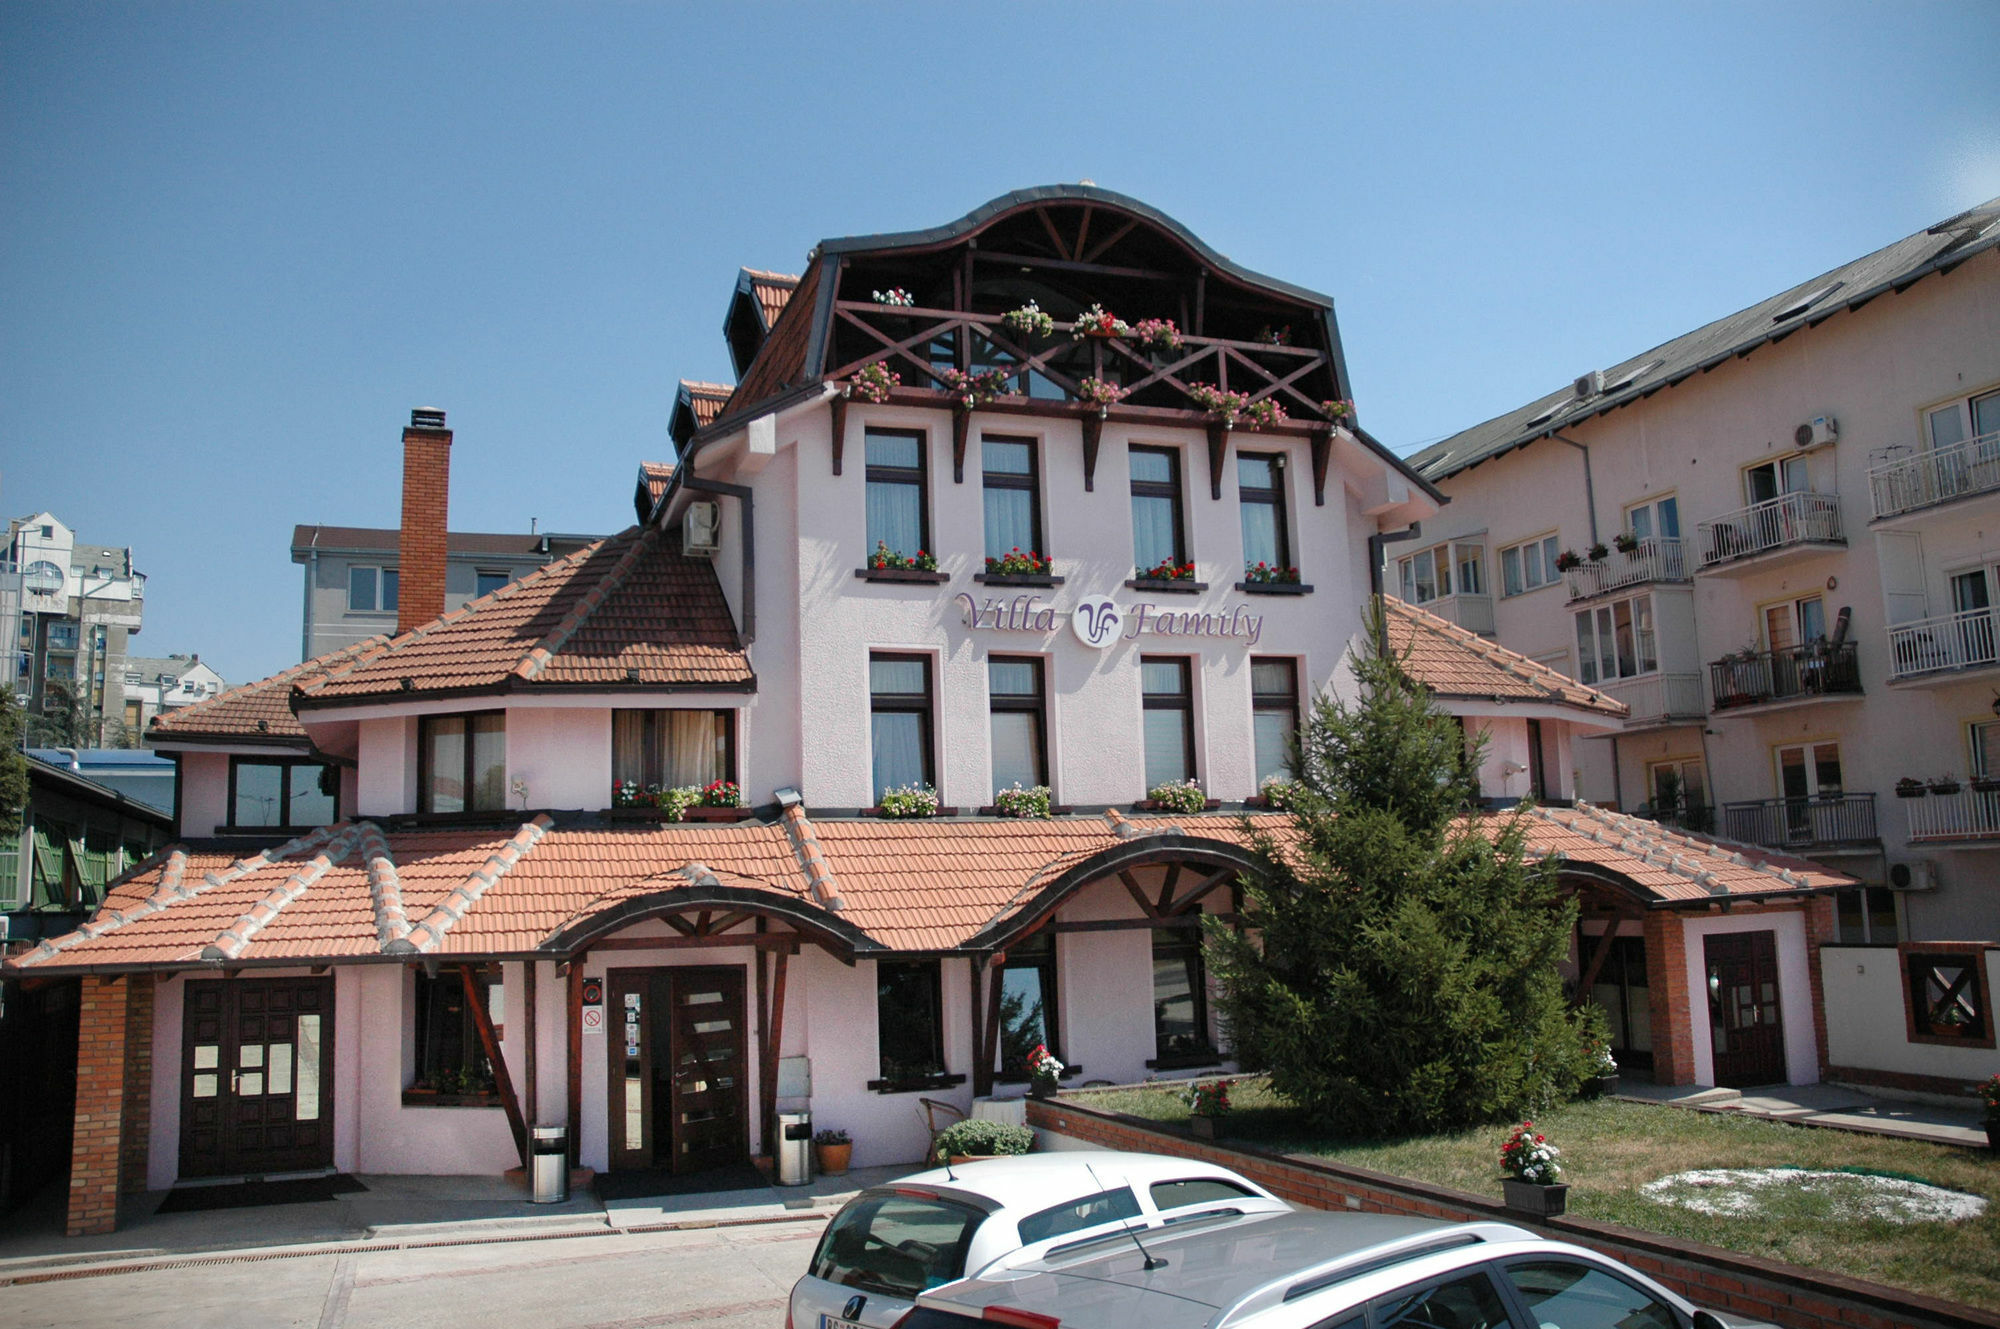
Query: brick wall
point(1711, 1278)
point(136, 1102)
point(1667, 995)
point(426, 493)
point(97, 1146)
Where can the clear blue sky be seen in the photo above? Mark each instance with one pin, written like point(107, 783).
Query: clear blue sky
point(239, 241)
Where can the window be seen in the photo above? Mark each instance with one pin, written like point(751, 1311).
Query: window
point(1156, 509)
point(1427, 576)
point(671, 749)
point(1679, 790)
point(1197, 1190)
point(1616, 640)
point(486, 582)
point(1867, 915)
point(1538, 766)
point(1260, 488)
point(1984, 738)
point(1973, 417)
point(1794, 623)
point(372, 590)
point(1947, 1001)
point(282, 793)
point(897, 516)
point(1808, 769)
point(1471, 563)
point(1013, 496)
point(1580, 1296)
point(450, 1059)
point(1774, 479)
point(1076, 1215)
point(1529, 566)
point(1622, 991)
point(896, 1244)
point(1020, 736)
point(1180, 1000)
point(1467, 1302)
point(899, 721)
point(909, 1019)
point(462, 762)
point(62, 636)
point(1274, 715)
point(1028, 1005)
point(1168, 706)
point(1658, 518)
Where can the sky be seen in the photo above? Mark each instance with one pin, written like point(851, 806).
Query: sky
point(238, 242)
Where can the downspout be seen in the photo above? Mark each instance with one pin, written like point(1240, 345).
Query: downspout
point(1589, 489)
point(685, 476)
point(312, 579)
point(1377, 550)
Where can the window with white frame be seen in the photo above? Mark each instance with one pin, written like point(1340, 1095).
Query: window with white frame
point(373, 590)
point(1429, 574)
point(1658, 518)
point(1470, 563)
point(1794, 622)
point(1529, 565)
point(1616, 640)
point(1677, 786)
point(1984, 737)
point(1774, 479)
point(1808, 769)
point(1977, 416)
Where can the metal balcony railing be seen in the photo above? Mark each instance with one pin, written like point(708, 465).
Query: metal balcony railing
point(1755, 678)
point(1965, 640)
point(1936, 476)
point(1655, 698)
point(1791, 823)
point(1969, 814)
point(1777, 523)
point(1656, 559)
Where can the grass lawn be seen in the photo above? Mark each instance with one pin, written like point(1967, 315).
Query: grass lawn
point(1611, 1148)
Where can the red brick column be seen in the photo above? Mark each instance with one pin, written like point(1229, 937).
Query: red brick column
point(96, 1147)
point(1668, 998)
point(136, 1102)
point(1822, 926)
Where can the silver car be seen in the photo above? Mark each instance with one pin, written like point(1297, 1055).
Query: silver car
point(891, 1242)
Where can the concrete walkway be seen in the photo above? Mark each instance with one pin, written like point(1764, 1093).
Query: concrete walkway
point(1836, 1106)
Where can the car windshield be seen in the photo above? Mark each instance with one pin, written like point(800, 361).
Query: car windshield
point(896, 1244)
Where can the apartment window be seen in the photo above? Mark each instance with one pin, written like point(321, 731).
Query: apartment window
point(1260, 487)
point(373, 590)
point(1794, 623)
point(450, 1058)
point(1617, 640)
point(486, 582)
point(1470, 561)
point(1168, 705)
point(1274, 715)
point(909, 1019)
point(1180, 1000)
point(1013, 496)
point(1774, 479)
point(1867, 915)
point(1808, 769)
point(462, 762)
point(62, 636)
point(1427, 576)
point(1984, 738)
point(1971, 417)
point(897, 501)
point(282, 793)
point(1156, 509)
point(899, 720)
point(1679, 791)
point(1658, 518)
point(1020, 725)
point(1528, 566)
point(1028, 1005)
point(671, 749)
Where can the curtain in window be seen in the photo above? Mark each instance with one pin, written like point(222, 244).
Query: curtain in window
point(691, 748)
point(898, 738)
point(489, 761)
point(1010, 522)
point(1152, 530)
point(1166, 747)
point(1260, 534)
point(1272, 731)
point(895, 517)
point(447, 764)
point(1017, 751)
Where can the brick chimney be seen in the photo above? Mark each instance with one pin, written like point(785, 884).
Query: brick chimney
point(426, 494)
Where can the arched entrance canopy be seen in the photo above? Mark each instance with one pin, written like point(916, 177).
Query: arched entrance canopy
point(716, 909)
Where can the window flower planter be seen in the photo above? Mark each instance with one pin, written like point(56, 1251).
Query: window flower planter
point(1167, 585)
point(432, 1098)
point(1154, 805)
point(1274, 587)
point(717, 814)
point(1944, 788)
point(904, 575)
point(1017, 579)
point(1535, 1199)
point(1910, 789)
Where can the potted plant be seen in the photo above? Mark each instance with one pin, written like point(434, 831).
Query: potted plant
point(888, 560)
point(1014, 801)
point(1989, 1094)
point(1568, 559)
point(1220, 403)
point(676, 801)
point(1262, 573)
point(1014, 563)
point(1099, 393)
point(1626, 542)
point(1530, 1173)
point(1266, 414)
point(896, 296)
point(1986, 784)
point(1167, 570)
point(975, 1138)
point(1603, 1077)
point(1177, 796)
point(1277, 792)
point(910, 800)
point(833, 1151)
point(874, 382)
point(1598, 553)
point(1208, 1103)
point(1095, 322)
point(1156, 334)
point(1910, 787)
point(975, 389)
point(1044, 1073)
point(1337, 409)
point(1029, 321)
point(1944, 784)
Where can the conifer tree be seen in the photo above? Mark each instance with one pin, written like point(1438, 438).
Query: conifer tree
point(1400, 974)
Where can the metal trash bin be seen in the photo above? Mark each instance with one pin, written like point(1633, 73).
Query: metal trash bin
point(795, 1138)
point(548, 1164)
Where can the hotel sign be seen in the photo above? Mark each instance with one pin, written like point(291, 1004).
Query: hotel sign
point(1098, 621)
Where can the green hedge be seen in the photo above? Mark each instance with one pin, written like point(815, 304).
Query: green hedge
point(984, 1137)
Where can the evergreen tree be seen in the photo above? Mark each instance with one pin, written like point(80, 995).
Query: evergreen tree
point(13, 767)
point(1401, 975)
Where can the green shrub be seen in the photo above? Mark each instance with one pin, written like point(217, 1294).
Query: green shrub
point(974, 1136)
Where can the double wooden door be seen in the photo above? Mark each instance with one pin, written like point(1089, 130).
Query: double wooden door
point(256, 1076)
point(1745, 1020)
point(679, 1076)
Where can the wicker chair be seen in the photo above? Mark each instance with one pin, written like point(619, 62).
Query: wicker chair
point(937, 1115)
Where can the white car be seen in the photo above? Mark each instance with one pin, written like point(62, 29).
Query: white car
point(889, 1243)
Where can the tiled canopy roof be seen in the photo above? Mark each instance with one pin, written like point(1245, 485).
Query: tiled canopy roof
point(626, 611)
point(1457, 664)
point(260, 710)
point(352, 892)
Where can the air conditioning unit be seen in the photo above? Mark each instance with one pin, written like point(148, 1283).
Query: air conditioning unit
point(1590, 384)
point(1918, 876)
point(1819, 430)
point(701, 529)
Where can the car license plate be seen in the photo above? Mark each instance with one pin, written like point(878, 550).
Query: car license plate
point(834, 1322)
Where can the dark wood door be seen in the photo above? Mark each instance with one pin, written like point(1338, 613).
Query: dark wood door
point(677, 1099)
point(256, 1076)
point(1744, 1017)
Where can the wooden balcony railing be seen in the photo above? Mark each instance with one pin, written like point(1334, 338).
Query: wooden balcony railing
point(1793, 823)
point(1777, 523)
point(1756, 678)
point(1969, 814)
point(1965, 640)
point(1656, 559)
point(1936, 476)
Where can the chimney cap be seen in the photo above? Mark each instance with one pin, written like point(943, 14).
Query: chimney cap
point(426, 417)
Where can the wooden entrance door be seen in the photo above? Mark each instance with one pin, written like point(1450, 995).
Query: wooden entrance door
point(679, 1078)
point(256, 1076)
point(1744, 1017)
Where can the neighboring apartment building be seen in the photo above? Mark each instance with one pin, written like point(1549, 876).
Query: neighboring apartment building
point(353, 577)
point(154, 684)
point(68, 609)
point(1777, 538)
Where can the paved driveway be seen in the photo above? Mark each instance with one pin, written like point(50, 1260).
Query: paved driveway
point(717, 1278)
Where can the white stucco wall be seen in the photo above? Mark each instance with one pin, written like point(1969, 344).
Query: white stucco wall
point(1867, 1017)
point(204, 792)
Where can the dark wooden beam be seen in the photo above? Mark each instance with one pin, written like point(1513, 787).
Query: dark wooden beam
point(483, 1022)
point(1218, 450)
point(1172, 879)
point(1099, 249)
point(678, 924)
point(1082, 231)
point(1597, 959)
point(1049, 225)
point(1182, 922)
point(1322, 453)
point(767, 1090)
point(774, 1041)
point(574, 1088)
point(995, 973)
point(1072, 265)
point(982, 1079)
point(1138, 893)
point(1093, 434)
point(1201, 889)
point(961, 427)
point(769, 941)
point(528, 1084)
point(839, 423)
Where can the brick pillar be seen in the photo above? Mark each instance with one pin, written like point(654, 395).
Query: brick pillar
point(1669, 999)
point(96, 1145)
point(426, 491)
point(1822, 926)
point(137, 1101)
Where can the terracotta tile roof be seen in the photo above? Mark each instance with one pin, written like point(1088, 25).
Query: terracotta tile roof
point(773, 291)
point(624, 611)
point(351, 891)
point(781, 362)
point(261, 710)
point(706, 400)
point(1455, 663)
point(654, 475)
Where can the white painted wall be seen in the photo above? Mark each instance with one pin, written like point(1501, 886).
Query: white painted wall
point(1866, 1018)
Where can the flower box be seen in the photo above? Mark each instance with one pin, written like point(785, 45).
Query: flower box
point(1168, 585)
point(1535, 1199)
point(903, 574)
point(1153, 805)
point(1985, 785)
point(908, 816)
point(1274, 587)
point(1910, 789)
point(432, 1098)
point(1202, 1125)
point(1017, 578)
point(717, 814)
point(1944, 788)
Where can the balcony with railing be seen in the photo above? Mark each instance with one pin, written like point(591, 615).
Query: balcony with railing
point(1659, 700)
point(1938, 475)
point(1658, 559)
point(1470, 611)
point(1943, 647)
point(1967, 814)
point(1767, 532)
point(1791, 676)
point(1821, 821)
